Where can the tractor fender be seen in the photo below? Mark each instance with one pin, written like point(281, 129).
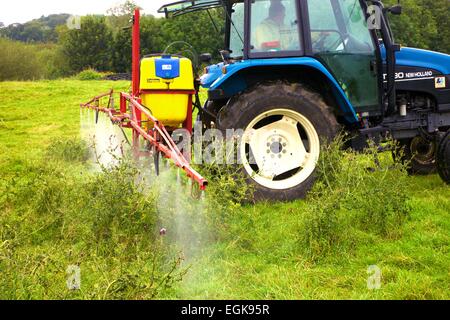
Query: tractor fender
point(227, 79)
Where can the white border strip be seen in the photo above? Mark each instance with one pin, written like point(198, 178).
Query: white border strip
point(415, 79)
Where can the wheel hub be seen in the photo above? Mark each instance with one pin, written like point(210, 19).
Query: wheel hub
point(277, 146)
point(280, 157)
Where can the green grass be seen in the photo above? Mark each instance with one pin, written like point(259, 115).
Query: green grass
point(261, 262)
point(34, 113)
point(250, 252)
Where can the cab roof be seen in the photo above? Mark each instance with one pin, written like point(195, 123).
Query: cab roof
point(187, 6)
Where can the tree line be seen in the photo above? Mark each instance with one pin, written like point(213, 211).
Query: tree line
point(42, 30)
point(49, 48)
point(424, 24)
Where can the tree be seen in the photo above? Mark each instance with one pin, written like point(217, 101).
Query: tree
point(2, 25)
point(440, 9)
point(119, 20)
point(121, 53)
point(156, 34)
point(120, 15)
point(88, 47)
point(22, 61)
point(198, 30)
point(38, 30)
point(423, 24)
point(153, 37)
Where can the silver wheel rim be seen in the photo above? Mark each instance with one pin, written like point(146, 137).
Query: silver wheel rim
point(280, 149)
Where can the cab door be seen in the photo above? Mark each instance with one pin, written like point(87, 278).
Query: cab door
point(342, 41)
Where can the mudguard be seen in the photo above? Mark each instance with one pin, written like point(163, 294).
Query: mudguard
point(216, 79)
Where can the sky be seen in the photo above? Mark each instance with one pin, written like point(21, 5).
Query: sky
point(20, 11)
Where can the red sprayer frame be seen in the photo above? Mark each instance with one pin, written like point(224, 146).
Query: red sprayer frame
point(136, 52)
point(132, 110)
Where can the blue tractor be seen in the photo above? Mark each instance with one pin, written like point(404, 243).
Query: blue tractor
point(297, 72)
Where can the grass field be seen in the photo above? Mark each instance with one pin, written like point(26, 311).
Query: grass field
point(50, 221)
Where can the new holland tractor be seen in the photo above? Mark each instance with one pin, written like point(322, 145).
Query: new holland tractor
point(296, 72)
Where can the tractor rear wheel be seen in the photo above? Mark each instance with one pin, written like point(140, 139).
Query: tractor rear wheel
point(284, 125)
point(443, 158)
point(420, 154)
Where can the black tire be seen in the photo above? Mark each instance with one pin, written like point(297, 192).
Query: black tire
point(420, 156)
point(443, 158)
point(243, 109)
point(209, 114)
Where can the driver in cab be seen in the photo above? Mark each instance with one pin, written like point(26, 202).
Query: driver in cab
point(272, 34)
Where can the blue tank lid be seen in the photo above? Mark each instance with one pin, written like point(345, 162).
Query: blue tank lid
point(167, 67)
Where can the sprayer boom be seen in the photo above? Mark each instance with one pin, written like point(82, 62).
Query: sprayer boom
point(154, 133)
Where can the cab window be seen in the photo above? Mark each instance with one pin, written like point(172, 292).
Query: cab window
point(237, 30)
point(341, 39)
point(274, 26)
point(339, 26)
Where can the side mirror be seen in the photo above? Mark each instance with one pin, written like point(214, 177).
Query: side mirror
point(226, 55)
point(396, 10)
point(205, 57)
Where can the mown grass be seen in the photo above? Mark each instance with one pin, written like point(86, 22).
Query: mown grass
point(55, 215)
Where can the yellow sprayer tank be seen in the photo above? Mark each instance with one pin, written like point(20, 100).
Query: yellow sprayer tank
point(167, 86)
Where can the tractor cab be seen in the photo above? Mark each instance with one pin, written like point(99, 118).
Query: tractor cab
point(335, 32)
point(296, 70)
